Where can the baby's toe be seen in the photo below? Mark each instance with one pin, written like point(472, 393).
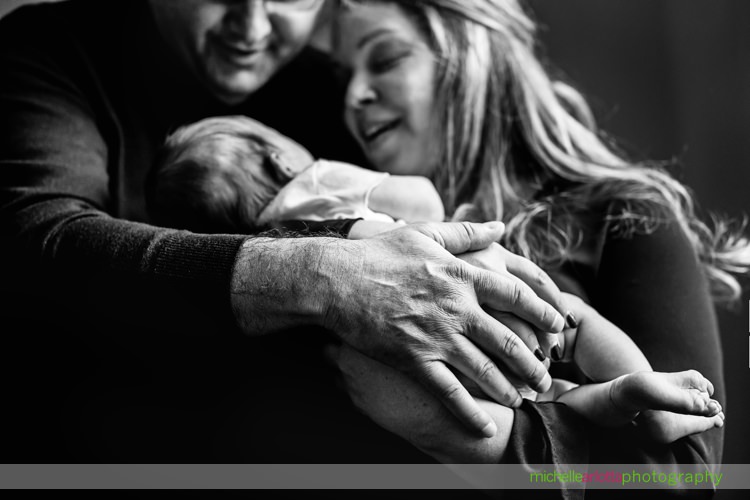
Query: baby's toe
point(714, 408)
point(693, 379)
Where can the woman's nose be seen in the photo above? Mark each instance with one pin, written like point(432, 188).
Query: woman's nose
point(248, 21)
point(360, 92)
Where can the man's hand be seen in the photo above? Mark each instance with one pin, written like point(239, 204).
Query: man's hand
point(402, 406)
point(406, 301)
point(403, 299)
point(497, 259)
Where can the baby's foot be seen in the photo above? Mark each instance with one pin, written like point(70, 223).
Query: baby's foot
point(667, 427)
point(686, 392)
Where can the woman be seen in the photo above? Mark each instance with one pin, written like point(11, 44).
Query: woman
point(452, 89)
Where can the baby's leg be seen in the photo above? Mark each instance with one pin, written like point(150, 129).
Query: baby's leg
point(684, 397)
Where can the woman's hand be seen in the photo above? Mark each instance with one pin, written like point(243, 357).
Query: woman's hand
point(403, 407)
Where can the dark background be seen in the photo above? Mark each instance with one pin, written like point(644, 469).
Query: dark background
point(671, 80)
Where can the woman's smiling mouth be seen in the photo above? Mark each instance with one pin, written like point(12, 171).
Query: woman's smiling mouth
point(372, 132)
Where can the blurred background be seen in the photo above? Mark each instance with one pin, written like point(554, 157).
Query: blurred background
point(670, 79)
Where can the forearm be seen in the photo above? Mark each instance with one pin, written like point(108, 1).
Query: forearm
point(282, 283)
point(63, 252)
point(652, 287)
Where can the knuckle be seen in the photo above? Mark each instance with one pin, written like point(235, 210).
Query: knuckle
point(487, 371)
point(546, 316)
point(511, 345)
point(536, 372)
point(469, 229)
point(452, 392)
point(542, 279)
point(516, 294)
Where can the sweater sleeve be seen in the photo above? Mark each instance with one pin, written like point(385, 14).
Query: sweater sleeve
point(652, 286)
point(61, 242)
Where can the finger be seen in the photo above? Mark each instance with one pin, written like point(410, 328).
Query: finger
point(479, 368)
point(462, 237)
point(491, 258)
point(437, 378)
point(509, 294)
point(523, 330)
point(537, 279)
point(498, 341)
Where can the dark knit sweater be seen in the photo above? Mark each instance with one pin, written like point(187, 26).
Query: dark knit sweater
point(88, 92)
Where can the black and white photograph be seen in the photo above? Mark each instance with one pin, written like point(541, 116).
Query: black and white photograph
point(480, 248)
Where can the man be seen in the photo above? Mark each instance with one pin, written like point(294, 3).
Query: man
point(113, 315)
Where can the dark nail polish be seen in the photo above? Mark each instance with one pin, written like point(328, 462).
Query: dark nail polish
point(556, 353)
point(540, 355)
point(571, 321)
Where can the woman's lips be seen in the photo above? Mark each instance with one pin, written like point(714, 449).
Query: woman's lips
point(374, 132)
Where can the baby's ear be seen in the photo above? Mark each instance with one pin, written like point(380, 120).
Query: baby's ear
point(275, 166)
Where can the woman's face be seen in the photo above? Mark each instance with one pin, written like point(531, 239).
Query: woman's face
point(390, 98)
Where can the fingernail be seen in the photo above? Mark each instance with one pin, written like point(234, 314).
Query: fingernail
point(556, 353)
point(540, 355)
point(490, 429)
point(496, 225)
point(571, 321)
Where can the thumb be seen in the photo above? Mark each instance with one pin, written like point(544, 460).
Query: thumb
point(461, 237)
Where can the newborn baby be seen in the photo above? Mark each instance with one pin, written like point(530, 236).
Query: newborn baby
point(234, 174)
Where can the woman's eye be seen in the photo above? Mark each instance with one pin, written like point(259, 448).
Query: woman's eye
point(386, 63)
point(387, 55)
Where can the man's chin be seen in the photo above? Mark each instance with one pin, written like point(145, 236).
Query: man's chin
point(236, 90)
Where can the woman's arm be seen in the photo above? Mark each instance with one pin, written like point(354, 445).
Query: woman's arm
point(649, 285)
point(653, 287)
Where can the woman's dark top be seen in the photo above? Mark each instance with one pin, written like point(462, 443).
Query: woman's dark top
point(118, 329)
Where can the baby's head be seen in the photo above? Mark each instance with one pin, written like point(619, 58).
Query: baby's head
point(217, 174)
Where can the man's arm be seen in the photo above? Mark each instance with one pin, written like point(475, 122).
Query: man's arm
point(59, 167)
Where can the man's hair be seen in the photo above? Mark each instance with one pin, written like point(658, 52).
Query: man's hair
point(212, 176)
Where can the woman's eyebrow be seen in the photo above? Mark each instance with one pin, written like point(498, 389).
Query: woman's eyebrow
point(370, 36)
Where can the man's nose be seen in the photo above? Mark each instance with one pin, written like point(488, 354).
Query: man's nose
point(248, 21)
point(359, 92)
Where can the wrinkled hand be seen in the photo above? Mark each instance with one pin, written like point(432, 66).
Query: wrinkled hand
point(402, 406)
point(497, 259)
point(402, 298)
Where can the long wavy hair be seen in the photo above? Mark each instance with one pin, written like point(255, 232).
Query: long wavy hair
point(522, 148)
